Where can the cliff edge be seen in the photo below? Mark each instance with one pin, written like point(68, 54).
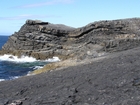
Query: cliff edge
point(43, 39)
point(108, 80)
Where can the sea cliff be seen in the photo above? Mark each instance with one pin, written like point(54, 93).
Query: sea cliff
point(43, 40)
point(104, 60)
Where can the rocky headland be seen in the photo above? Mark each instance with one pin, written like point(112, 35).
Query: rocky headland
point(99, 64)
point(43, 39)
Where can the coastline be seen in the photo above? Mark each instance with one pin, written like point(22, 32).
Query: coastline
point(108, 80)
point(99, 64)
point(13, 67)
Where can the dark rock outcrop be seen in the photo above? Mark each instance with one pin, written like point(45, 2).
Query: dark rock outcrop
point(37, 38)
point(109, 80)
point(114, 80)
point(33, 22)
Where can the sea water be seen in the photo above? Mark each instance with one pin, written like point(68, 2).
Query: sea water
point(12, 67)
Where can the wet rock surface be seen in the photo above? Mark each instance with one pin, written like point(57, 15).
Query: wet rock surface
point(113, 80)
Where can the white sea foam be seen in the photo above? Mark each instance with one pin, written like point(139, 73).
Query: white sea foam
point(11, 78)
point(12, 58)
point(15, 77)
point(37, 67)
point(54, 59)
point(2, 80)
point(23, 59)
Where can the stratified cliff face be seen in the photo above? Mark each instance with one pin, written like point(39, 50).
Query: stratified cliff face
point(39, 38)
point(35, 35)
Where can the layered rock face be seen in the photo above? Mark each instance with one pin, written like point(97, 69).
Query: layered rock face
point(43, 39)
point(36, 35)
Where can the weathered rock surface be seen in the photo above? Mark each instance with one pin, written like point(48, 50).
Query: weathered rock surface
point(109, 80)
point(114, 80)
point(43, 39)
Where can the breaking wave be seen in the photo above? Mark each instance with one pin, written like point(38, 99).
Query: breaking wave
point(12, 67)
point(23, 59)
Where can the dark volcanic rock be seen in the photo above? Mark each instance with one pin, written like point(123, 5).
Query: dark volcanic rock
point(57, 39)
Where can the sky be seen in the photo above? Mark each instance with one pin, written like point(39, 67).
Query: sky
point(74, 13)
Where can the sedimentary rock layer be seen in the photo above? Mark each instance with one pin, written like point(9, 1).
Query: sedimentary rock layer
point(43, 39)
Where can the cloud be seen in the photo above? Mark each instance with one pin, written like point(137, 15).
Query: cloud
point(51, 2)
point(28, 16)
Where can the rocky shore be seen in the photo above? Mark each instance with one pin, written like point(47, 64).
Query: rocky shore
point(43, 40)
point(111, 80)
point(99, 64)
